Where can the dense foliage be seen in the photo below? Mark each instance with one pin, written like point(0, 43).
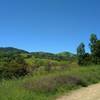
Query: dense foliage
point(86, 58)
point(12, 65)
point(15, 62)
point(49, 86)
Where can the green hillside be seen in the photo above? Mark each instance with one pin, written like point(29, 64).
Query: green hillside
point(11, 50)
point(66, 54)
point(16, 62)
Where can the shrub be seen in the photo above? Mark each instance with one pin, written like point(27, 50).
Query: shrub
point(51, 84)
point(13, 66)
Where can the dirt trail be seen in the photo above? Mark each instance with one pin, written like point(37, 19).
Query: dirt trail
point(89, 93)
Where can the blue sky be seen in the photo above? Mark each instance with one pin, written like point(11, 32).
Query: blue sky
point(48, 25)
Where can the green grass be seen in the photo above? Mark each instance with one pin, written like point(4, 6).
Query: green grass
point(47, 86)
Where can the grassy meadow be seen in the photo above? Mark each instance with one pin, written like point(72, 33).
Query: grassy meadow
point(43, 85)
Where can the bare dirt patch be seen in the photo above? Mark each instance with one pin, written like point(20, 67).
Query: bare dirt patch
point(89, 93)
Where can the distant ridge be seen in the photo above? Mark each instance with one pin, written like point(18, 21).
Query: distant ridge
point(11, 50)
point(42, 55)
point(66, 54)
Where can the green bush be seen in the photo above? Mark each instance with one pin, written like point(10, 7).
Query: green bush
point(51, 84)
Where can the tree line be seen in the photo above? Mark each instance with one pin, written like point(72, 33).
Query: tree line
point(93, 57)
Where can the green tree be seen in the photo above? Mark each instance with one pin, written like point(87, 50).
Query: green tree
point(81, 53)
point(94, 46)
point(81, 49)
point(93, 39)
point(96, 53)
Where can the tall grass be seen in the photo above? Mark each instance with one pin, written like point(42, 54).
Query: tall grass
point(47, 86)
